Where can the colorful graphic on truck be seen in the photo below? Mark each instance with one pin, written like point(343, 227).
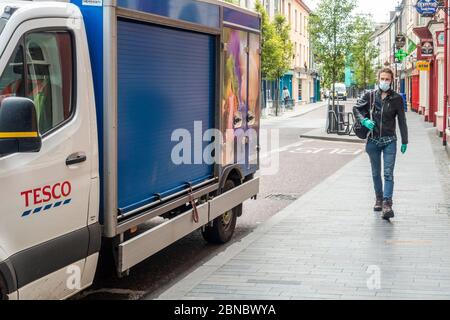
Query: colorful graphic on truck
point(254, 81)
point(234, 100)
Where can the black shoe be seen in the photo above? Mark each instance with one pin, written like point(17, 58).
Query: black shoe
point(388, 213)
point(378, 204)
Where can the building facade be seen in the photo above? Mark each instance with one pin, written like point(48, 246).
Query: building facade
point(420, 75)
point(302, 80)
point(297, 14)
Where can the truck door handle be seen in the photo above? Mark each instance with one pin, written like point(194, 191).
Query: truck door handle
point(76, 158)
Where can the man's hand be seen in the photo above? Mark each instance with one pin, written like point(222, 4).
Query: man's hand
point(404, 148)
point(369, 124)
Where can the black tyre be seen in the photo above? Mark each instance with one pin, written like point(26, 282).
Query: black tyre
point(222, 229)
point(3, 295)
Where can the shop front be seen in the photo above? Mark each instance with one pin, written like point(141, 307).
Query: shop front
point(437, 77)
point(425, 57)
point(415, 90)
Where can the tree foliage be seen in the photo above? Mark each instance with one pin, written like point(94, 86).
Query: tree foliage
point(363, 52)
point(277, 48)
point(330, 29)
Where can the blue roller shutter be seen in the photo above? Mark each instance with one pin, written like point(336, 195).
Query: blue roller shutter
point(166, 81)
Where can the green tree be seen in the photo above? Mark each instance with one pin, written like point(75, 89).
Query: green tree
point(277, 48)
point(364, 52)
point(330, 29)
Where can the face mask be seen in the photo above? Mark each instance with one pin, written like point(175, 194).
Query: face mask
point(384, 85)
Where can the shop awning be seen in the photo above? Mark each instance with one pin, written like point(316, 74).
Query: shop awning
point(423, 33)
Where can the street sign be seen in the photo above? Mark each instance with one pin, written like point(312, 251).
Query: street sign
point(423, 65)
point(426, 48)
point(427, 8)
point(401, 55)
point(400, 41)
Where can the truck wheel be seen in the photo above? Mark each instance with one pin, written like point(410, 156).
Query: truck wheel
point(222, 229)
point(3, 295)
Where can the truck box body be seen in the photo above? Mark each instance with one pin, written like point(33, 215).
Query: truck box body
point(159, 72)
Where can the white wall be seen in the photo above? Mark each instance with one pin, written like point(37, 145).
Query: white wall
point(424, 89)
point(441, 86)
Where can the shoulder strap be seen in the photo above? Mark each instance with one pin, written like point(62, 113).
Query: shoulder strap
point(371, 107)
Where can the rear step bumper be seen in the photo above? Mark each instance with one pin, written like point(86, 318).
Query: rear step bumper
point(139, 248)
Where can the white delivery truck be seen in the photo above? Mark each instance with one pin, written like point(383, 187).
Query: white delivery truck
point(125, 125)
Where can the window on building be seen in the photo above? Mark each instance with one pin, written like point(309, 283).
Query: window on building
point(268, 6)
point(305, 25)
point(304, 56)
point(295, 53)
point(289, 12)
point(300, 90)
point(276, 6)
point(43, 74)
point(307, 57)
point(301, 25)
point(283, 7)
point(299, 54)
point(296, 21)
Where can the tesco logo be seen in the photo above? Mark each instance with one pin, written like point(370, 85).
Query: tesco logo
point(46, 194)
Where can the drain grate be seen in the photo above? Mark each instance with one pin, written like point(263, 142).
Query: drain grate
point(283, 197)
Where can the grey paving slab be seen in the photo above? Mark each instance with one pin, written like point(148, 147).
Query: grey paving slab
point(329, 244)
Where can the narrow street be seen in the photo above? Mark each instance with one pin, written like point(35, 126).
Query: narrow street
point(330, 244)
point(304, 163)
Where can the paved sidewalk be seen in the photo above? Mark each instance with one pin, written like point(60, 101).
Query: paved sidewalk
point(323, 245)
point(298, 111)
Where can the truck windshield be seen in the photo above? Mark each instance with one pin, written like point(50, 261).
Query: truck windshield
point(340, 88)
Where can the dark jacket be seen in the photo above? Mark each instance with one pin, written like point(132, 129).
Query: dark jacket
point(384, 114)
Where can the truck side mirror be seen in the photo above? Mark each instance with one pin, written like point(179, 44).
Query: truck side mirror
point(18, 127)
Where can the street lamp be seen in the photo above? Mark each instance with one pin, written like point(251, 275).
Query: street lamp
point(398, 12)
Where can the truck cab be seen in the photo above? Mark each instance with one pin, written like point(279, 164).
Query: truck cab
point(89, 113)
point(49, 171)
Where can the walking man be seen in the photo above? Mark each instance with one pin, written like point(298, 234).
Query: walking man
point(387, 106)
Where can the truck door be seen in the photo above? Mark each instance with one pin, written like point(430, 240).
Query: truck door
point(45, 195)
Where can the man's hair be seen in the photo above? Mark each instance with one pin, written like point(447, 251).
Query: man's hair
point(386, 70)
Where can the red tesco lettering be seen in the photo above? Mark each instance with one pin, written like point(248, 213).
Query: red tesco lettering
point(46, 193)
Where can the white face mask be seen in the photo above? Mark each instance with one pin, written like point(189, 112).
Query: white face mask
point(385, 85)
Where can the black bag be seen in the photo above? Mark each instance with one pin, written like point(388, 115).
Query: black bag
point(361, 131)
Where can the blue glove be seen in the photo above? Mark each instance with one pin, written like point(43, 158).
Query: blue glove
point(404, 148)
point(369, 124)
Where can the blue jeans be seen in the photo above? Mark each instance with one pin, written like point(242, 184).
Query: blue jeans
point(389, 154)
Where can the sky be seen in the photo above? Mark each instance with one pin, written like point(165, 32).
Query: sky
point(379, 8)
